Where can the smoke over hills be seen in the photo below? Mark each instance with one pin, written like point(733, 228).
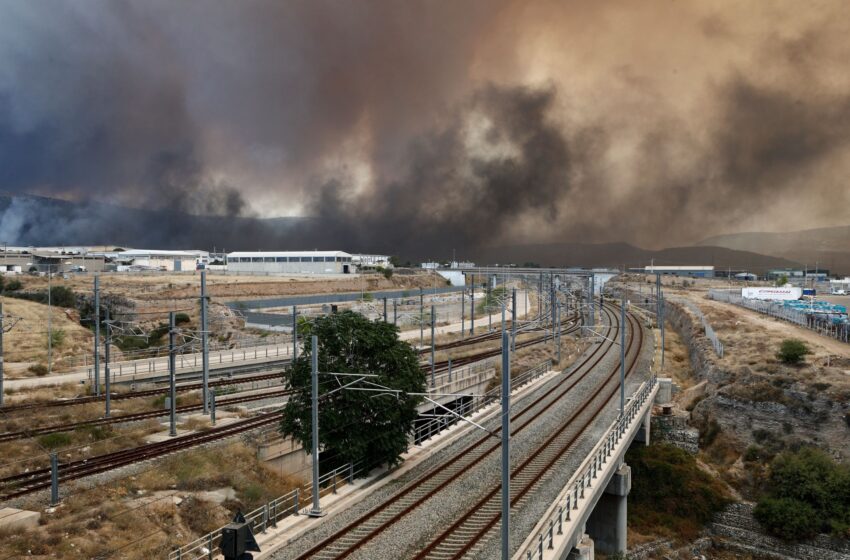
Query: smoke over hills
point(421, 127)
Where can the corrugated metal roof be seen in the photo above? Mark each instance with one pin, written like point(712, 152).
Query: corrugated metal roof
point(678, 267)
point(289, 254)
point(154, 253)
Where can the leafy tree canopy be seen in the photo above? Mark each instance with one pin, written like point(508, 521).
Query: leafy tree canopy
point(355, 425)
point(808, 493)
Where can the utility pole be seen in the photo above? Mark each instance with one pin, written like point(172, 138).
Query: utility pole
point(205, 352)
point(622, 354)
point(539, 296)
point(558, 308)
point(661, 322)
point(472, 307)
point(463, 310)
point(294, 334)
point(107, 342)
point(49, 324)
point(513, 320)
point(317, 510)
point(1, 353)
point(433, 319)
point(97, 335)
point(395, 311)
point(421, 319)
point(506, 445)
point(386, 319)
point(172, 374)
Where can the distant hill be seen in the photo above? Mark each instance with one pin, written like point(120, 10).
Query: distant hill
point(827, 247)
point(619, 254)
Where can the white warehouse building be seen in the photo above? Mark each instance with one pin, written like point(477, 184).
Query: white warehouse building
point(290, 262)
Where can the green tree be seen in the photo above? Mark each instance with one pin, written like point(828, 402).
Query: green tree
point(782, 280)
point(356, 425)
point(809, 493)
point(792, 351)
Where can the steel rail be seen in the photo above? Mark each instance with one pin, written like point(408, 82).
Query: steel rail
point(137, 416)
point(541, 461)
point(406, 500)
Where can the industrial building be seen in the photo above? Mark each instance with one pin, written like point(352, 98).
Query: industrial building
point(150, 259)
point(290, 262)
point(362, 261)
point(38, 260)
point(690, 271)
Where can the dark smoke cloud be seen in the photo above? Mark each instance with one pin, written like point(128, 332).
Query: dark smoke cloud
point(501, 158)
point(422, 127)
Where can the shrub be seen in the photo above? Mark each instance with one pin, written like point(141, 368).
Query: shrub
point(52, 441)
point(181, 319)
point(40, 370)
point(712, 430)
point(670, 492)
point(387, 272)
point(808, 493)
point(787, 518)
point(792, 351)
point(13, 285)
point(57, 338)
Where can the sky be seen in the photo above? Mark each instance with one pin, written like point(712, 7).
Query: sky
point(451, 124)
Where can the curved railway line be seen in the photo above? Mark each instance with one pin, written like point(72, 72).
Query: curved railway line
point(17, 485)
point(471, 528)
point(357, 533)
point(236, 380)
point(137, 416)
point(25, 483)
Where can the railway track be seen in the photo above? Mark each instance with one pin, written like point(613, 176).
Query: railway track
point(496, 335)
point(135, 417)
point(25, 483)
point(443, 365)
point(354, 535)
point(462, 536)
point(274, 374)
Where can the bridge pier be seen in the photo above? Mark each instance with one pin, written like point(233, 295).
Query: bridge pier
point(643, 433)
point(583, 549)
point(607, 523)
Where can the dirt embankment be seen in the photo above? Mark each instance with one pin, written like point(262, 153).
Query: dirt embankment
point(754, 405)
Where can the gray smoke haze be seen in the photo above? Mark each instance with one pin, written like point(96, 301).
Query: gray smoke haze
point(421, 127)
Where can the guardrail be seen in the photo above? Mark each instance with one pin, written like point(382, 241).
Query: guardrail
point(297, 501)
point(124, 369)
point(838, 331)
point(709, 332)
point(560, 512)
point(269, 514)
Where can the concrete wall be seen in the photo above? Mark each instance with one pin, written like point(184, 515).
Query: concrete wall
point(287, 457)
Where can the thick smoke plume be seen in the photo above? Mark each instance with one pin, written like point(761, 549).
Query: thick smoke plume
point(420, 127)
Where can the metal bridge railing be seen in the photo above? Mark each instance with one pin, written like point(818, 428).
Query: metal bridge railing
point(587, 473)
point(269, 514)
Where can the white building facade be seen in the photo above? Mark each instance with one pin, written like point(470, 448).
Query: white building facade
point(290, 262)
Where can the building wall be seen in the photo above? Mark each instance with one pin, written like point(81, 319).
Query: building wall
point(275, 267)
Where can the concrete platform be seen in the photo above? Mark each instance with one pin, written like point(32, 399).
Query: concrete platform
point(164, 435)
point(12, 519)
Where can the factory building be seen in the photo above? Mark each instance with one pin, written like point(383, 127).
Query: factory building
point(290, 262)
point(375, 261)
point(150, 259)
point(690, 271)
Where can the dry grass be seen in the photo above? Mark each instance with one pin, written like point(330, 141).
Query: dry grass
point(27, 343)
point(136, 517)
